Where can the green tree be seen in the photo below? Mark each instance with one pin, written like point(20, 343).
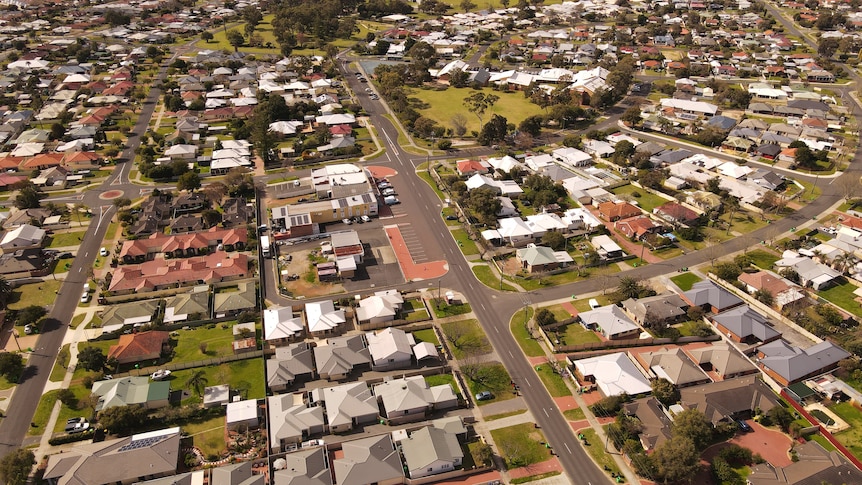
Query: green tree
point(622, 151)
point(632, 116)
point(189, 181)
point(5, 292)
point(15, 467)
point(554, 240)
point(458, 78)
point(665, 391)
point(629, 287)
point(764, 296)
point(236, 39)
point(676, 460)
point(693, 425)
point(92, 358)
point(206, 36)
point(479, 102)
point(780, 416)
point(29, 196)
point(197, 382)
point(494, 131)
point(545, 317)
point(532, 125)
point(484, 204)
point(30, 314)
point(11, 366)
point(122, 420)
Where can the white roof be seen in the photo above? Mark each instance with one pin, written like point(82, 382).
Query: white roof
point(570, 155)
point(606, 243)
point(279, 322)
point(23, 235)
point(423, 350)
point(337, 119)
point(733, 170)
point(513, 227)
point(322, 316)
point(238, 412)
point(389, 343)
point(686, 105)
point(610, 319)
point(615, 374)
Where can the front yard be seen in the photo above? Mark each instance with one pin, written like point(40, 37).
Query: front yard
point(491, 377)
point(521, 445)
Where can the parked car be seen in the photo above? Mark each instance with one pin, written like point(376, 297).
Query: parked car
point(160, 374)
point(743, 426)
point(384, 185)
point(347, 221)
point(389, 192)
point(450, 217)
point(78, 428)
point(484, 396)
point(29, 329)
point(103, 251)
point(365, 219)
point(85, 297)
point(391, 200)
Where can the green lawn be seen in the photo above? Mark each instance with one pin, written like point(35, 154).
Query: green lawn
point(576, 414)
point(443, 309)
point(686, 329)
point(646, 201)
point(488, 278)
point(466, 337)
point(559, 312)
point(490, 377)
point(443, 379)
point(563, 278)
point(468, 247)
point(576, 334)
point(842, 295)
point(58, 372)
point(442, 105)
point(745, 222)
point(65, 239)
point(42, 294)
point(208, 435)
point(583, 304)
point(495, 417)
point(826, 444)
point(685, 280)
point(518, 326)
point(597, 451)
point(246, 375)
point(852, 437)
point(424, 175)
point(763, 259)
point(427, 335)
point(553, 382)
point(218, 343)
point(43, 412)
point(81, 394)
point(521, 445)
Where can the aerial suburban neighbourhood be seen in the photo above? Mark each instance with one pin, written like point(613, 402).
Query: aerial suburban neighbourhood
point(396, 242)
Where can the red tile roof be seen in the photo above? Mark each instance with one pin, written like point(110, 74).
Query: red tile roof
point(163, 243)
point(614, 210)
point(218, 266)
point(138, 346)
point(764, 281)
point(44, 160)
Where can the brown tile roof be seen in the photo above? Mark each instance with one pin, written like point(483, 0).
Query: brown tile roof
point(618, 210)
point(763, 280)
point(163, 243)
point(137, 346)
point(218, 266)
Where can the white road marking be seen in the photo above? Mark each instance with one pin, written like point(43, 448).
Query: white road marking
point(483, 306)
point(567, 448)
point(546, 412)
point(510, 354)
point(496, 329)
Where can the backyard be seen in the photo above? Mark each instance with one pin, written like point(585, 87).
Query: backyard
point(645, 200)
point(852, 437)
point(842, 295)
point(41, 294)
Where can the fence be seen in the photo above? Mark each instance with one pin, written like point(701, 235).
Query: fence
point(144, 371)
point(600, 348)
point(826, 434)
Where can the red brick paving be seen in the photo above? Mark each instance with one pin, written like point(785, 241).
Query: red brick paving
point(579, 425)
point(569, 308)
point(411, 270)
point(566, 403)
point(546, 466)
point(379, 172)
point(534, 361)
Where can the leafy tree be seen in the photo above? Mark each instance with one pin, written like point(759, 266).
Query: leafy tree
point(479, 102)
point(484, 204)
point(676, 460)
point(197, 382)
point(122, 420)
point(15, 467)
point(630, 288)
point(29, 196)
point(545, 317)
point(532, 125)
point(189, 181)
point(30, 314)
point(714, 185)
point(610, 405)
point(206, 36)
point(622, 151)
point(764, 296)
point(554, 240)
point(693, 425)
point(458, 78)
point(632, 116)
point(5, 292)
point(67, 397)
point(494, 131)
point(11, 366)
point(665, 391)
point(211, 217)
point(780, 416)
point(235, 38)
point(92, 358)
point(727, 270)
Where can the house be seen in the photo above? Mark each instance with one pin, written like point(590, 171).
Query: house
point(25, 263)
point(655, 425)
point(660, 309)
point(242, 415)
point(391, 348)
point(236, 212)
point(676, 213)
point(347, 406)
point(34, 217)
point(138, 347)
point(686, 109)
point(236, 474)
point(711, 297)
point(323, 318)
point(280, 326)
point(161, 273)
point(289, 363)
point(123, 460)
point(514, 231)
point(291, 420)
point(127, 391)
point(616, 210)
point(379, 308)
point(611, 321)
point(191, 306)
point(411, 398)
point(243, 298)
point(636, 228)
point(368, 460)
point(811, 273)
point(536, 259)
point(305, 467)
point(572, 157)
point(722, 359)
point(22, 237)
point(182, 245)
point(337, 357)
point(815, 465)
point(730, 399)
point(614, 374)
point(186, 223)
point(467, 168)
point(674, 366)
point(138, 313)
point(606, 247)
point(430, 451)
point(788, 364)
point(784, 293)
point(744, 325)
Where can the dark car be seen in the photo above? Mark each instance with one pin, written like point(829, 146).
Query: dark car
point(743, 426)
point(451, 218)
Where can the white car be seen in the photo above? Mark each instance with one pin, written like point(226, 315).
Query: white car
point(384, 185)
point(391, 200)
point(388, 192)
point(365, 219)
point(347, 221)
point(160, 374)
point(103, 251)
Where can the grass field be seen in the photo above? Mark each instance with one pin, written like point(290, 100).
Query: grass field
point(468, 247)
point(763, 259)
point(576, 334)
point(443, 309)
point(521, 445)
point(647, 201)
point(43, 412)
point(58, 372)
point(597, 451)
point(559, 312)
point(488, 278)
point(241, 374)
point(576, 414)
point(440, 106)
point(842, 295)
point(564, 278)
point(218, 344)
point(517, 324)
point(495, 417)
point(65, 239)
point(685, 280)
point(443, 379)
point(583, 305)
point(208, 435)
point(466, 337)
point(491, 377)
point(553, 382)
point(42, 294)
point(852, 437)
point(426, 335)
